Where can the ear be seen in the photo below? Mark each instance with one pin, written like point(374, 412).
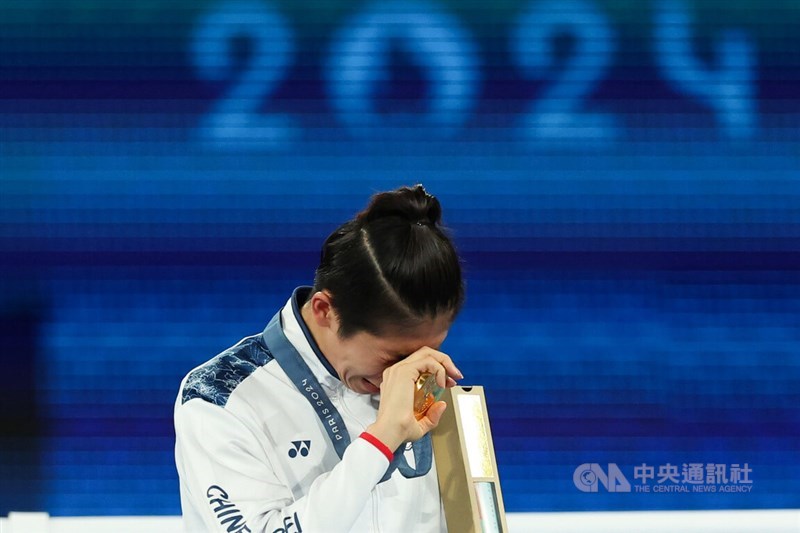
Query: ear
point(322, 310)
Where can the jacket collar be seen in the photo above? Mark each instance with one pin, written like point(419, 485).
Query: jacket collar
point(297, 332)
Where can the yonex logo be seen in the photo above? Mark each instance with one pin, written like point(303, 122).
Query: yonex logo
point(300, 446)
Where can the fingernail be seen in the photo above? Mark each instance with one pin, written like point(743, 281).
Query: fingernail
point(460, 375)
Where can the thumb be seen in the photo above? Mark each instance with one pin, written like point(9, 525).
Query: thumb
point(435, 412)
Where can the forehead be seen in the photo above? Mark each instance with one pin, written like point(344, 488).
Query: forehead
point(403, 342)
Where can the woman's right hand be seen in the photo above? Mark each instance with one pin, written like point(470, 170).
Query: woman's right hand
point(396, 422)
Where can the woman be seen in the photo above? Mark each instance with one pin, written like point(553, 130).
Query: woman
point(309, 426)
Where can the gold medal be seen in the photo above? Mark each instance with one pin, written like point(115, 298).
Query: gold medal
point(428, 392)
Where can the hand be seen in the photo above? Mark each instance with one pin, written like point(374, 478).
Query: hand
point(396, 423)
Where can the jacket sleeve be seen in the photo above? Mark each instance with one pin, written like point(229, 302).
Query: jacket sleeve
point(229, 485)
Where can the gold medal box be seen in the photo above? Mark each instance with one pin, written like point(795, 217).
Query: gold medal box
point(466, 465)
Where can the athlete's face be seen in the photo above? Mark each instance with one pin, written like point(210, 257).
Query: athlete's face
point(361, 358)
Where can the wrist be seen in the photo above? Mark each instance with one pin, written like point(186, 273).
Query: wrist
point(392, 439)
point(375, 441)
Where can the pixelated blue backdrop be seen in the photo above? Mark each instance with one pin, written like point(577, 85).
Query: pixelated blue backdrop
point(621, 178)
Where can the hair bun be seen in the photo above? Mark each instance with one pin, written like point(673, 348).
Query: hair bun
point(413, 204)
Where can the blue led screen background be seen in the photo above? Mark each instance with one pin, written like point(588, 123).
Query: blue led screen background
point(620, 177)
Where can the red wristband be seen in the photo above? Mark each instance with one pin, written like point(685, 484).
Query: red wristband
point(384, 449)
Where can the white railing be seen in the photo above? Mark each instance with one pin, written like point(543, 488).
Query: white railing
point(761, 521)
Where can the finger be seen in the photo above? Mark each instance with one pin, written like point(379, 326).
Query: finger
point(442, 358)
point(448, 364)
point(445, 369)
point(433, 366)
point(450, 382)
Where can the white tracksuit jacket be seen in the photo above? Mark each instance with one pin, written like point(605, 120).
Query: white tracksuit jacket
point(253, 456)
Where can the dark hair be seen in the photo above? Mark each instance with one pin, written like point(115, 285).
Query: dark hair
point(392, 266)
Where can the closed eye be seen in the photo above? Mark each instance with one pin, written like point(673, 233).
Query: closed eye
point(396, 358)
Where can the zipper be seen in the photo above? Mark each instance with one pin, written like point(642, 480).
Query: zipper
point(374, 494)
point(350, 414)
